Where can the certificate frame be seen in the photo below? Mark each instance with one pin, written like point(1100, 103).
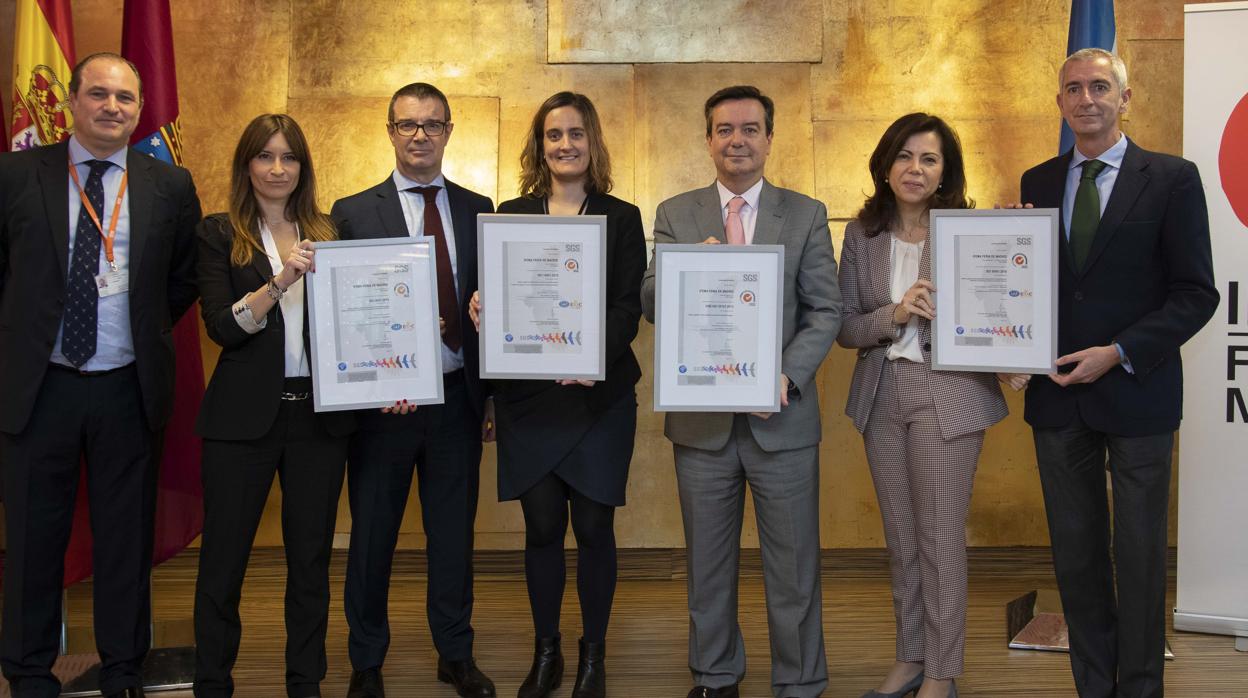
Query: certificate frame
point(577, 249)
point(973, 249)
point(677, 390)
point(416, 342)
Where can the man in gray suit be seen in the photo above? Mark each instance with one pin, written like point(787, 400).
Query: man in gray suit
point(777, 454)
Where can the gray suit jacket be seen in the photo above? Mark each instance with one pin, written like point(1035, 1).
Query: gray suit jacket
point(812, 308)
point(965, 402)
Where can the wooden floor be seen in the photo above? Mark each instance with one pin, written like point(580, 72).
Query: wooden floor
point(647, 643)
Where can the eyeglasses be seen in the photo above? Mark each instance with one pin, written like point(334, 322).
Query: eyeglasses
point(409, 128)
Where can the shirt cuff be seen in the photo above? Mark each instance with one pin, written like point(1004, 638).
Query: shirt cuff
point(1123, 360)
point(244, 318)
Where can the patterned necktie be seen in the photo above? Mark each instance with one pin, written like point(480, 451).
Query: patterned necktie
point(1085, 217)
point(733, 225)
point(78, 334)
point(448, 304)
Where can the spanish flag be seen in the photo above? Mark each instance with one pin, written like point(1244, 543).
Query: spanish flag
point(43, 56)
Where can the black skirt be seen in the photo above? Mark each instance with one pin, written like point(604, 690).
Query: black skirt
point(558, 430)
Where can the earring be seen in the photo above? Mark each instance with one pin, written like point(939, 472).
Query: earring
point(940, 186)
point(886, 180)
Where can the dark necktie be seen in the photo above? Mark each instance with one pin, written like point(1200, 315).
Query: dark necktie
point(1085, 217)
point(81, 294)
point(448, 304)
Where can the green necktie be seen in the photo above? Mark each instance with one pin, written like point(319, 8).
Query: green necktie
point(1086, 215)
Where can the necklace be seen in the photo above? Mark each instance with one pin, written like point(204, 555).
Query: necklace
point(581, 212)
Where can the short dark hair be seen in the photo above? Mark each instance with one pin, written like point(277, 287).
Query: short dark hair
point(418, 90)
point(880, 209)
point(75, 77)
point(741, 92)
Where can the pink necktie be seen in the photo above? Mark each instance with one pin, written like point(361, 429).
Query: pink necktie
point(733, 226)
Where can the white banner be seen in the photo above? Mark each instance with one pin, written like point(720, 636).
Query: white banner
point(1213, 440)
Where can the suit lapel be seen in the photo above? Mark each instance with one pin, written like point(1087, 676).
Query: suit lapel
point(1054, 182)
point(707, 216)
point(1131, 181)
point(770, 217)
point(54, 183)
point(390, 210)
point(879, 266)
point(142, 193)
point(464, 225)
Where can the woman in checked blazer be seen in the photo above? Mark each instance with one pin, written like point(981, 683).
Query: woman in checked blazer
point(923, 429)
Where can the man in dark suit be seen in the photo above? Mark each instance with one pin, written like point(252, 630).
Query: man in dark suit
point(96, 266)
point(442, 441)
point(1136, 282)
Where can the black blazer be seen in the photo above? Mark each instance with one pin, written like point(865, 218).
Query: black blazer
point(626, 262)
point(34, 255)
point(1147, 285)
point(243, 397)
point(377, 213)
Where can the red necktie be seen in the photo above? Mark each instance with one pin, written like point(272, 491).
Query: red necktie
point(448, 303)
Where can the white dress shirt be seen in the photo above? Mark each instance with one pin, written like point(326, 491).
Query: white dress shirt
point(749, 212)
point(290, 306)
point(903, 272)
point(114, 344)
point(414, 214)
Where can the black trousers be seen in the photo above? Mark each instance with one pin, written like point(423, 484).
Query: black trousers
point(443, 443)
point(237, 476)
point(1117, 630)
point(98, 420)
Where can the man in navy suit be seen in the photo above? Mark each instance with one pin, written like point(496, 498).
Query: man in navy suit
point(442, 442)
point(1136, 282)
point(97, 263)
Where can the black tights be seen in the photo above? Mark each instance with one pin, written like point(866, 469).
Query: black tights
point(546, 507)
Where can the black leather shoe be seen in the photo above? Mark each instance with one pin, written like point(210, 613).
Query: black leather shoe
point(467, 679)
point(132, 692)
point(706, 692)
point(366, 684)
point(547, 671)
point(591, 673)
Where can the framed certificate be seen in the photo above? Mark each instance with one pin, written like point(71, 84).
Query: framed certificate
point(995, 273)
point(717, 319)
point(543, 296)
point(372, 311)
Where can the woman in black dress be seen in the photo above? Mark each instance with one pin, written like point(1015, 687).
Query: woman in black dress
point(566, 445)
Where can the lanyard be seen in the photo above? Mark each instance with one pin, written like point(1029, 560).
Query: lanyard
point(111, 235)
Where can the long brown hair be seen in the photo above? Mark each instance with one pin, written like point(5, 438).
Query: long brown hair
point(534, 172)
point(880, 209)
point(300, 207)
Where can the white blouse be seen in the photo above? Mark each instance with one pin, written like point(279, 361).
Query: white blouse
point(903, 272)
point(291, 307)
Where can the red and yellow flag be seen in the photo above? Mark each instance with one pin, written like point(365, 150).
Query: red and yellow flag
point(43, 56)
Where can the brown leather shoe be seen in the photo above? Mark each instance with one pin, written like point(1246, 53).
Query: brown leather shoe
point(467, 679)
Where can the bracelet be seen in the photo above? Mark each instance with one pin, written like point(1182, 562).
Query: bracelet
point(272, 289)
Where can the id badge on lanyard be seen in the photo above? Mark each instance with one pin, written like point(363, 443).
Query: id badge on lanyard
point(115, 280)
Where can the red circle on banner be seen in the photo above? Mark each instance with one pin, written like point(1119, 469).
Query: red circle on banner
point(1233, 160)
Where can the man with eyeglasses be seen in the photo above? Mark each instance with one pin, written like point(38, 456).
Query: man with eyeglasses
point(442, 442)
